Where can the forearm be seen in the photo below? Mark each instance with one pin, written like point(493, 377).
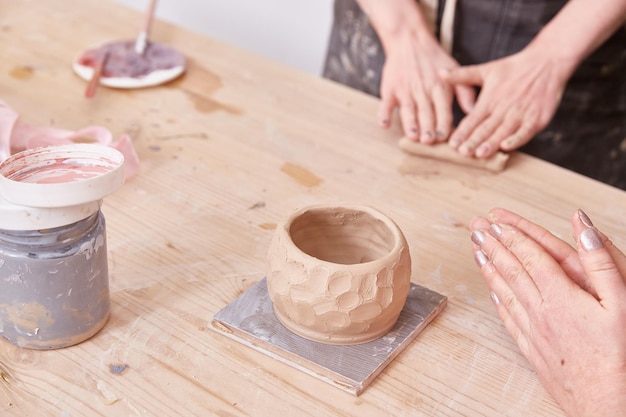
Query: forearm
point(577, 30)
point(393, 19)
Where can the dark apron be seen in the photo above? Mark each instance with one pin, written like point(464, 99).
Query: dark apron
point(588, 131)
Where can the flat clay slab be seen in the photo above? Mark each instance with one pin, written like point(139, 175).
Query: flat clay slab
point(443, 152)
point(250, 320)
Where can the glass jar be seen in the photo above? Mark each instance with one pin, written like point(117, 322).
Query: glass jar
point(54, 284)
point(54, 281)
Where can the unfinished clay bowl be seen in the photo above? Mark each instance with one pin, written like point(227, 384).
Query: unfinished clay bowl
point(338, 274)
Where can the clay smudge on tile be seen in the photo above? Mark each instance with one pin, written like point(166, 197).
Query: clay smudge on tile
point(268, 226)
point(302, 175)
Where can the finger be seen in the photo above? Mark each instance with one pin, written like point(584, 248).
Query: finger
point(510, 310)
point(385, 110)
point(602, 269)
point(466, 97)
point(467, 125)
point(442, 103)
point(481, 133)
point(580, 221)
point(565, 255)
point(491, 144)
point(407, 118)
point(479, 222)
point(425, 117)
point(467, 75)
point(522, 136)
point(499, 291)
point(510, 253)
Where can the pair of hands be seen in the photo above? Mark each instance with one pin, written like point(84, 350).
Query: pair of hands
point(565, 307)
point(519, 96)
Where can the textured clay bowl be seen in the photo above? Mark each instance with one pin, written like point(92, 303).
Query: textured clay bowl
point(338, 274)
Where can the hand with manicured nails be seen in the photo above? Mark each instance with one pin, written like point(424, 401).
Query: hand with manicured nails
point(565, 307)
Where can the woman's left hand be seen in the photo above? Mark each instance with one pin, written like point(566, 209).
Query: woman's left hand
point(565, 307)
point(518, 98)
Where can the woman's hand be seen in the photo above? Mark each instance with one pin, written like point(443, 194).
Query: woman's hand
point(411, 81)
point(565, 307)
point(518, 98)
point(520, 93)
point(411, 77)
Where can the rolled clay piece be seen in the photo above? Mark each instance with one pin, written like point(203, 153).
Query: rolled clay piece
point(444, 152)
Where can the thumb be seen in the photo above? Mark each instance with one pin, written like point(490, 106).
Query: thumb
point(466, 97)
point(600, 266)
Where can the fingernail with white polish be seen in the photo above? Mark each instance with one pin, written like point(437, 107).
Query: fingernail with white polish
point(494, 298)
point(478, 237)
point(584, 218)
point(496, 230)
point(590, 239)
point(481, 258)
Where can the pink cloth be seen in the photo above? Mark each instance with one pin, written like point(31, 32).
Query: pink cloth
point(14, 134)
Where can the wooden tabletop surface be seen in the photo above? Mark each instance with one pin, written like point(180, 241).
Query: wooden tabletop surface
point(226, 151)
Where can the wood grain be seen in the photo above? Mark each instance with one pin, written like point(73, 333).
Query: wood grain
point(190, 232)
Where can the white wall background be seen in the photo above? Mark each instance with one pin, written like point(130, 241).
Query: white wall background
point(294, 32)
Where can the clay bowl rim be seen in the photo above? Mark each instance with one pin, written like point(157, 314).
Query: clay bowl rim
point(399, 240)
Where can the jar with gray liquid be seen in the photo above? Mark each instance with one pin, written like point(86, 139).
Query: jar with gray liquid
point(54, 280)
point(54, 284)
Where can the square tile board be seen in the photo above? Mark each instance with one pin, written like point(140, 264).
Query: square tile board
point(250, 320)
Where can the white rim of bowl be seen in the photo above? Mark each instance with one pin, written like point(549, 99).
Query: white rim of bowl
point(61, 175)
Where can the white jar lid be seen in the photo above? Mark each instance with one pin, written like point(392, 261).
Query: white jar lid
point(53, 186)
point(61, 176)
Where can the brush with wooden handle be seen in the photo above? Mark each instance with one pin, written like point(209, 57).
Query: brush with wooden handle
point(92, 85)
point(142, 39)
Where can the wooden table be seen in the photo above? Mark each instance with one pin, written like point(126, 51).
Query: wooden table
point(226, 152)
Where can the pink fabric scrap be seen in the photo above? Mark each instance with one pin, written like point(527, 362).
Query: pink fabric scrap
point(14, 134)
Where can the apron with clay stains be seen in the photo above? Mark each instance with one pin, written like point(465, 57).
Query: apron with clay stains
point(588, 131)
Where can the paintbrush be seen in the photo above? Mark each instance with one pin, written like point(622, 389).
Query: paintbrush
point(142, 39)
point(90, 91)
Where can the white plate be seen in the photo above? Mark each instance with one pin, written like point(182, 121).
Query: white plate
point(151, 79)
